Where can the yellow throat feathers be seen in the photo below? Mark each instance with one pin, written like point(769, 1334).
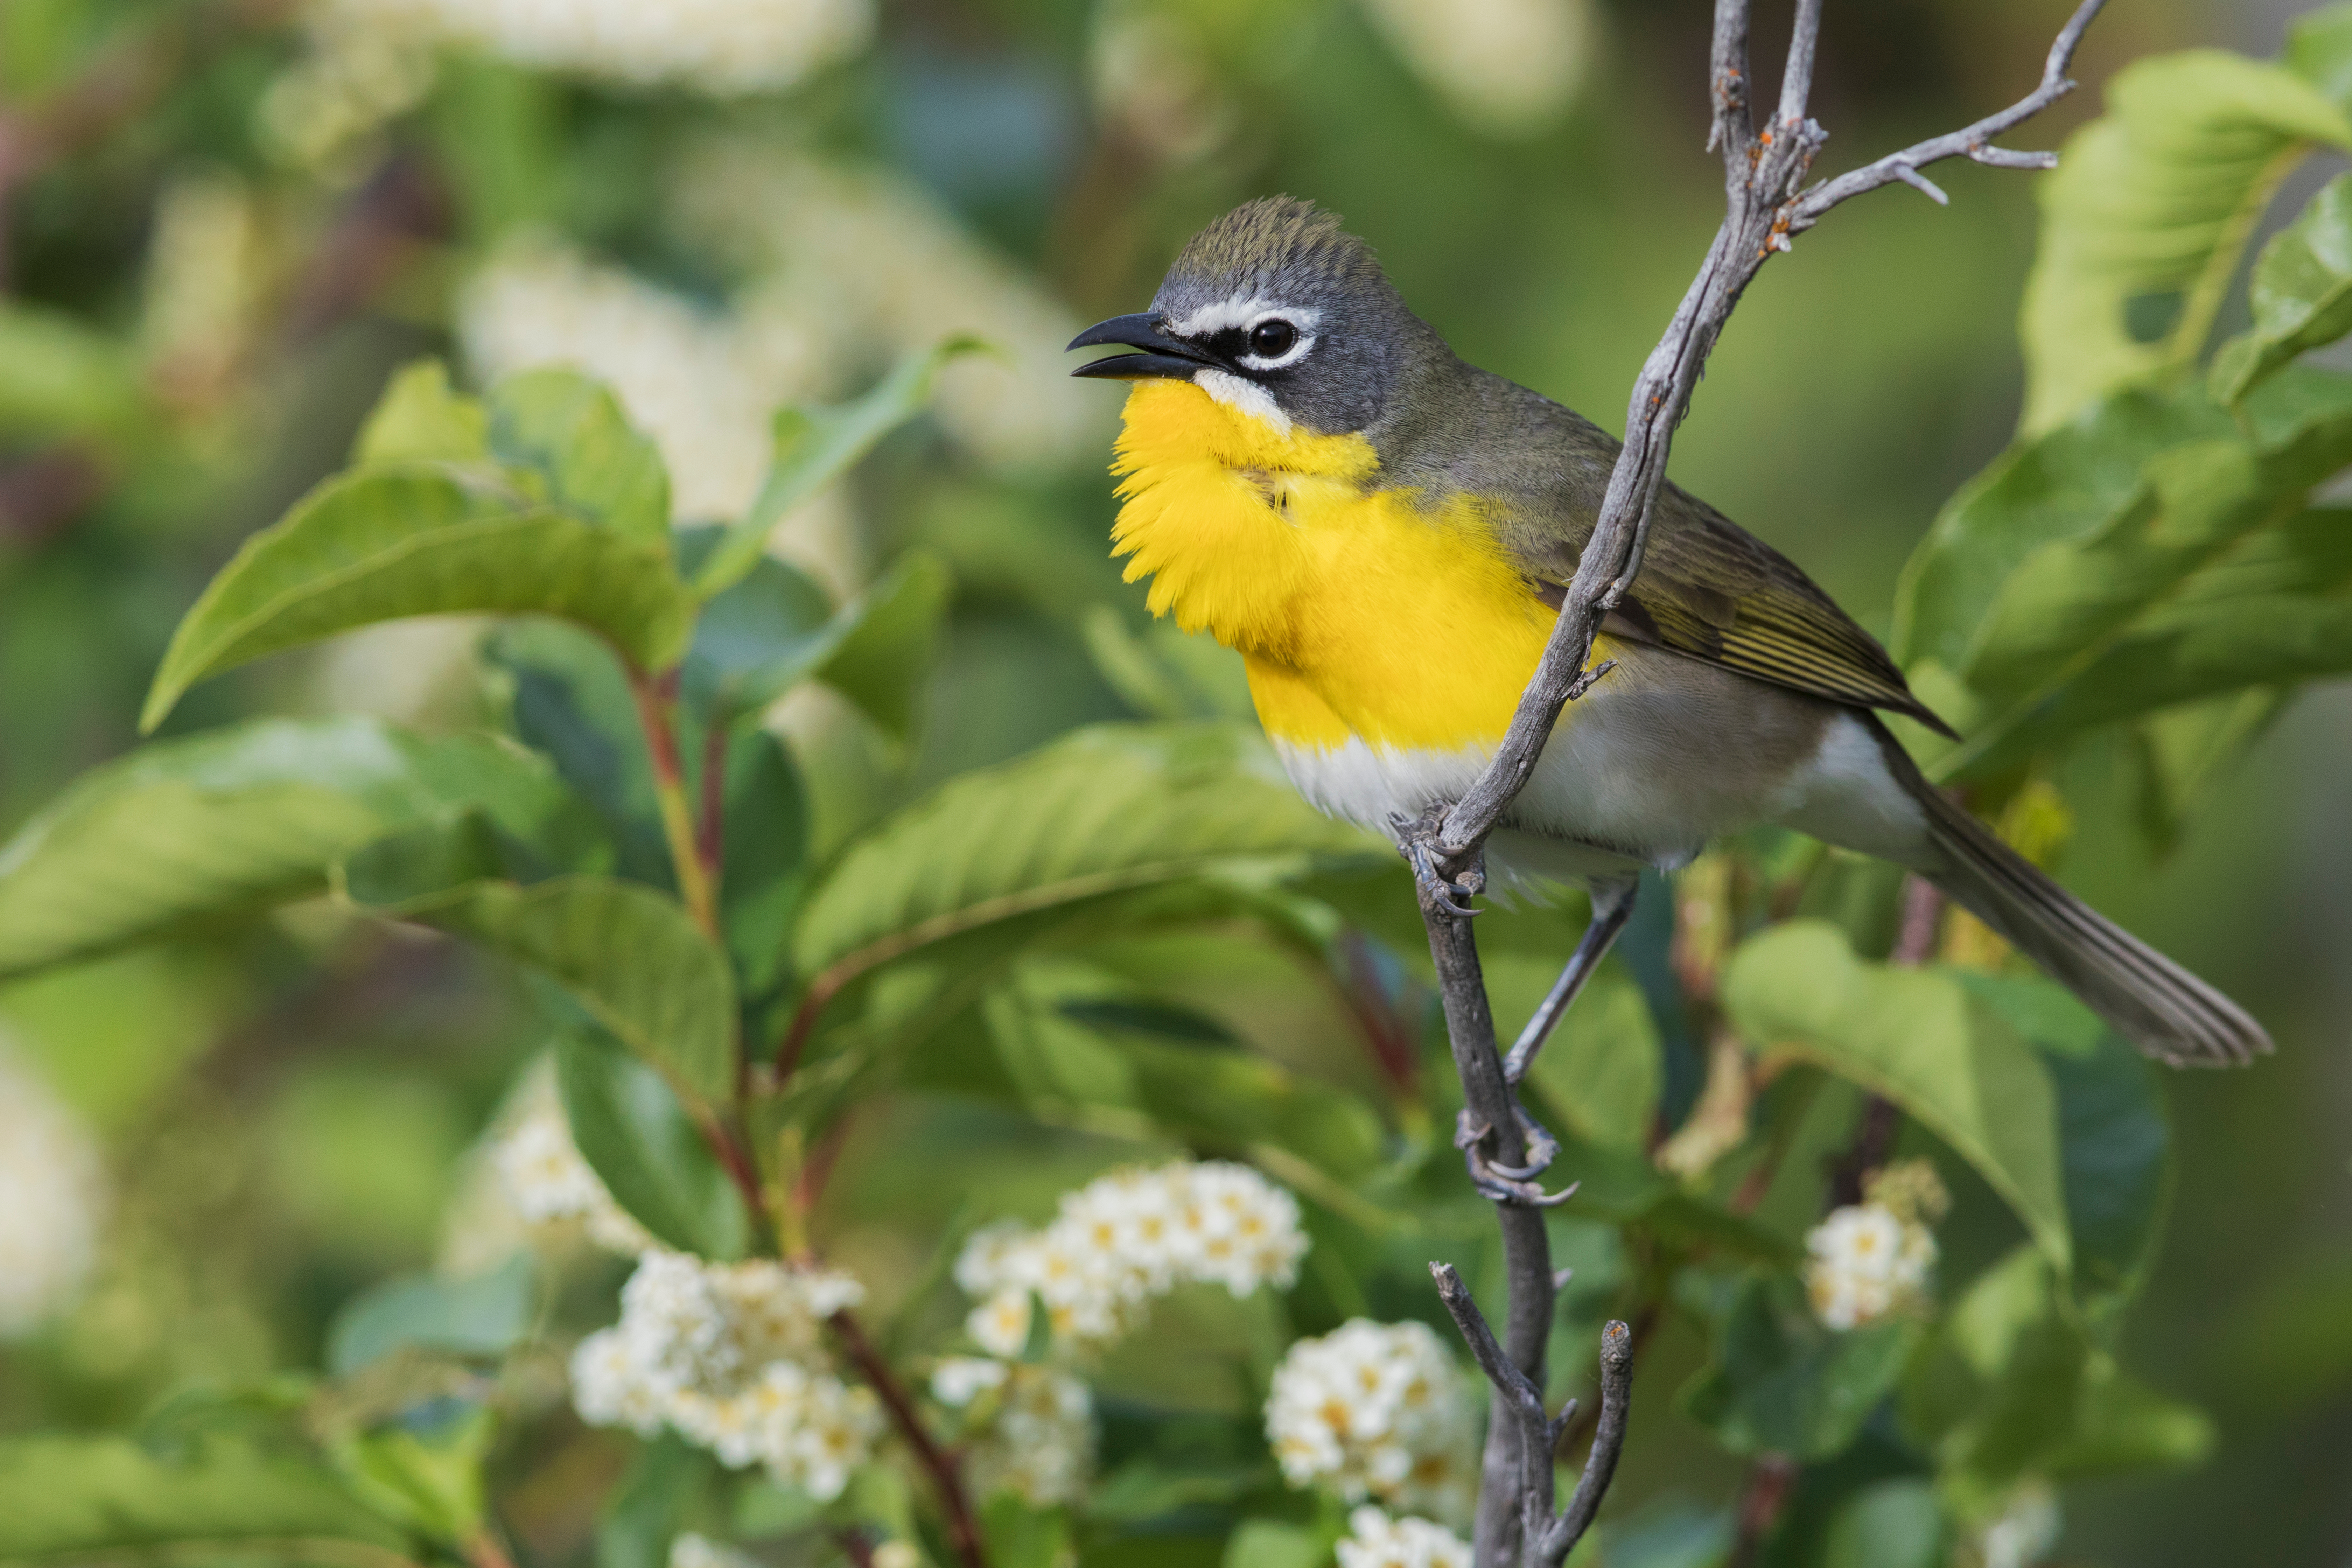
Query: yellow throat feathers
point(1360, 611)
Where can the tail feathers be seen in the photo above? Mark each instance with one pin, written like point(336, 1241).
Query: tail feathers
point(2153, 1003)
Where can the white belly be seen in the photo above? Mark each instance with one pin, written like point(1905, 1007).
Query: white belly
point(1665, 755)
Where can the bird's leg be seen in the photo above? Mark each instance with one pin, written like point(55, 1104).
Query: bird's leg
point(1612, 905)
point(1443, 889)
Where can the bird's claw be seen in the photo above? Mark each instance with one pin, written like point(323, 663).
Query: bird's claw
point(1440, 894)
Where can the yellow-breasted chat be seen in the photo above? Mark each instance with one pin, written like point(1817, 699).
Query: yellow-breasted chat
point(1309, 474)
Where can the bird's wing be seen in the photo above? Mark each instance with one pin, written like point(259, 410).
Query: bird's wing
point(1710, 589)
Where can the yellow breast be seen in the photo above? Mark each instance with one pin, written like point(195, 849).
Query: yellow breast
point(1360, 610)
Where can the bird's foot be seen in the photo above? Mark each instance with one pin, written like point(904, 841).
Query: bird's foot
point(1445, 887)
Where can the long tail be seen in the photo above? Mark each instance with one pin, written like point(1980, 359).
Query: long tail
point(2160, 1006)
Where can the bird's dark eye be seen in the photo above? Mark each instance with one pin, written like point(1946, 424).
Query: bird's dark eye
point(1272, 338)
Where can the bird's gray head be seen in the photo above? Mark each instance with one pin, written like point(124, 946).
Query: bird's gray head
point(1276, 309)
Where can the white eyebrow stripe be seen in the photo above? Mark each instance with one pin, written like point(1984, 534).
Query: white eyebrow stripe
point(1215, 318)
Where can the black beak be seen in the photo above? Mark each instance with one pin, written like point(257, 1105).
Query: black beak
point(1163, 355)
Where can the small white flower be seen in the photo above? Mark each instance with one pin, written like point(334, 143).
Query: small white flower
point(614, 1385)
point(52, 1201)
point(957, 1380)
point(1000, 1325)
point(1865, 1263)
point(1375, 1410)
point(1041, 1444)
point(897, 1555)
point(1376, 1540)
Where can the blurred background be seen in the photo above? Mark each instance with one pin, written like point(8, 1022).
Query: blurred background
point(223, 224)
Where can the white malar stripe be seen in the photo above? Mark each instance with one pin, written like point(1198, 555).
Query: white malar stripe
point(1247, 396)
point(1210, 320)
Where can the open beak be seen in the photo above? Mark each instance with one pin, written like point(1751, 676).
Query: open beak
point(1161, 355)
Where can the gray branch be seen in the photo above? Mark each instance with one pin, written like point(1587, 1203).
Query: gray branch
point(1549, 1537)
point(1767, 202)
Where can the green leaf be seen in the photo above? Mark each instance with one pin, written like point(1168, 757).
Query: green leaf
point(1020, 1535)
point(765, 871)
point(768, 632)
point(483, 1316)
point(2183, 751)
point(628, 954)
point(381, 543)
point(57, 377)
point(2145, 216)
point(427, 1471)
point(569, 432)
point(1920, 1038)
point(237, 820)
point(2300, 294)
point(1267, 1543)
point(78, 1496)
point(891, 641)
point(646, 1148)
point(1781, 1383)
point(419, 419)
point(2319, 50)
point(2114, 1138)
point(1062, 1046)
point(1166, 672)
point(815, 446)
point(663, 1484)
point(2009, 1388)
point(1100, 812)
point(566, 697)
point(1890, 1524)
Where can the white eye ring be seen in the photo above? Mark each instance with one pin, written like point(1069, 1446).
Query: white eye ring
point(1301, 323)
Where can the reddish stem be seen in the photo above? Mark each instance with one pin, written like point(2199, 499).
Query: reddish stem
point(710, 835)
point(1385, 1033)
point(1770, 1478)
point(963, 1532)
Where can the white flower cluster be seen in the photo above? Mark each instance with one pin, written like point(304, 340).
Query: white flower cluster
point(1029, 1429)
point(872, 263)
point(1375, 1410)
point(1124, 1238)
point(1508, 68)
point(701, 384)
point(1376, 1540)
point(1869, 1259)
point(550, 1185)
point(729, 1356)
point(721, 46)
point(52, 1201)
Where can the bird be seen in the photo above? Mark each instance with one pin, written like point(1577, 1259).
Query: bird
point(1309, 474)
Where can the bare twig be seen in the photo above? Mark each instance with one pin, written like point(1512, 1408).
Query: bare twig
point(946, 1475)
point(1767, 202)
point(1548, 1537)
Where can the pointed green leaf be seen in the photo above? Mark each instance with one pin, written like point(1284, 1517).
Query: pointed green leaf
point(1781, 1383)
point(2300, 294)
point(569, 432)
point(1918, 1038)
point(884, 656)
point(428, 1476)
point(766, 869)
point(627, 953)
point(483, 1316)
point(84, 1497)
point(664, 1482)
point(420, 419)
point(236, 820)
point(2146, 217)
point(2319, 50)
point(1103, 810)
point(381, 543)
point(815, 446)
point(647, 1149)
point(763, 635)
